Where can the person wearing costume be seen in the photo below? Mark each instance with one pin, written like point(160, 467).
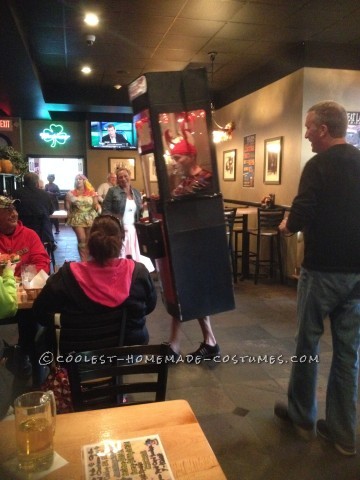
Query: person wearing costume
point(83, 207)
point(80, 288)
point(195, 179)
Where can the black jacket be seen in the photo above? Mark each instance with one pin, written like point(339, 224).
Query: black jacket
point(62, 294)
point(326, 209)
point(34, 210)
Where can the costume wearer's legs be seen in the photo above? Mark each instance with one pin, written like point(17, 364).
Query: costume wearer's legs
point(342, 390)
point(205, 325)
point(175, 335)
point(319, 294)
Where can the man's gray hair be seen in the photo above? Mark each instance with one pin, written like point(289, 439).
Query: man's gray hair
point(333, 115)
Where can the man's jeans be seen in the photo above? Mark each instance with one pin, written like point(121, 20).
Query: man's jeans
point(336, 295)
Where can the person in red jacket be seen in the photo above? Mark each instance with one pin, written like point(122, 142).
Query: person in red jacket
point(24, 245)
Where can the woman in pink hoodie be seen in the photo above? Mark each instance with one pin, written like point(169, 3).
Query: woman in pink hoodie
point(102, 286)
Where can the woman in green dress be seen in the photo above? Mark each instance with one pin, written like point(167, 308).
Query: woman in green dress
point(82, 206)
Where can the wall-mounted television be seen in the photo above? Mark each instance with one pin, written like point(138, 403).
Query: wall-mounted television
point(112, 135)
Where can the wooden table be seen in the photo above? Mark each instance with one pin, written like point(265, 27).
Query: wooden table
point(187, 449)
point(59, 214)
point(24, 301)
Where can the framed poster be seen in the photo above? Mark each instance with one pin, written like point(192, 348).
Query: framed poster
point(229, 165)
point(152, 169)
point(249, 161)
point(118, 163)
point(272, 162)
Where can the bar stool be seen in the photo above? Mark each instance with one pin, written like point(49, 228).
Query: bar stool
point(229, 215)
point(237, 230)
point(268, 223)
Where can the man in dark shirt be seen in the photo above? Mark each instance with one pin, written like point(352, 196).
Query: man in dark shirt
point(53, 190)
point(35, 207)
point(326, 209)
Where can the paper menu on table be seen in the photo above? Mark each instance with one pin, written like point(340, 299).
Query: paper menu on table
point(140, 458)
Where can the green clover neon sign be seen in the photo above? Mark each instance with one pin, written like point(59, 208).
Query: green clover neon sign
point(54, 134)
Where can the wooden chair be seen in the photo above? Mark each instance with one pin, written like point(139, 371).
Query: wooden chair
point(50, 248)
point(140, 373)
point(268, 223)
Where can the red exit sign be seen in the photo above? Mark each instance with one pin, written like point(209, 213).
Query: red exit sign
point(5, 124)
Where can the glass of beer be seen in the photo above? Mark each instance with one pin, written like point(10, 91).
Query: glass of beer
point(35, 414)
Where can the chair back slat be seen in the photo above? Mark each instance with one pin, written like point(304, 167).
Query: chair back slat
point(89, 332)
point(229, 215)
point(238, 222)
point(269, 220)
point(130, 370)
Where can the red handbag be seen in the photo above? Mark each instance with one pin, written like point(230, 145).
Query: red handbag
point(58, 382)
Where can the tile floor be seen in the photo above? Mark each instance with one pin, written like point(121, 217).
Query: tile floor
point(234, 402)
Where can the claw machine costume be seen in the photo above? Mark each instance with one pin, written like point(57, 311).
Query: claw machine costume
point(186, 233)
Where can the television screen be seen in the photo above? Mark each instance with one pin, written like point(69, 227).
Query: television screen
point(112, 135)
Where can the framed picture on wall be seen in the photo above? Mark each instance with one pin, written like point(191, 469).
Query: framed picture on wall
point(272, 162)
point(229, 165)
point(152, 169)
point(117, 163)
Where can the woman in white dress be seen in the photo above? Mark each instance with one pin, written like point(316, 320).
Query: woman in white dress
point(125, 202)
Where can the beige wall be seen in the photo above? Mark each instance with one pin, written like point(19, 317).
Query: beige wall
point(276, 110)
point(273, 111)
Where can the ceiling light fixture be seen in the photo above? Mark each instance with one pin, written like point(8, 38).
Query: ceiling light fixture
point(91, 19)
point(219, 133)
point(117, 86)
point(86, 70)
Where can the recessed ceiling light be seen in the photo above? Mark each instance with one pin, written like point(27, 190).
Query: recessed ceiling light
point(117, 86)
point(91, 19)
point(86, 70)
